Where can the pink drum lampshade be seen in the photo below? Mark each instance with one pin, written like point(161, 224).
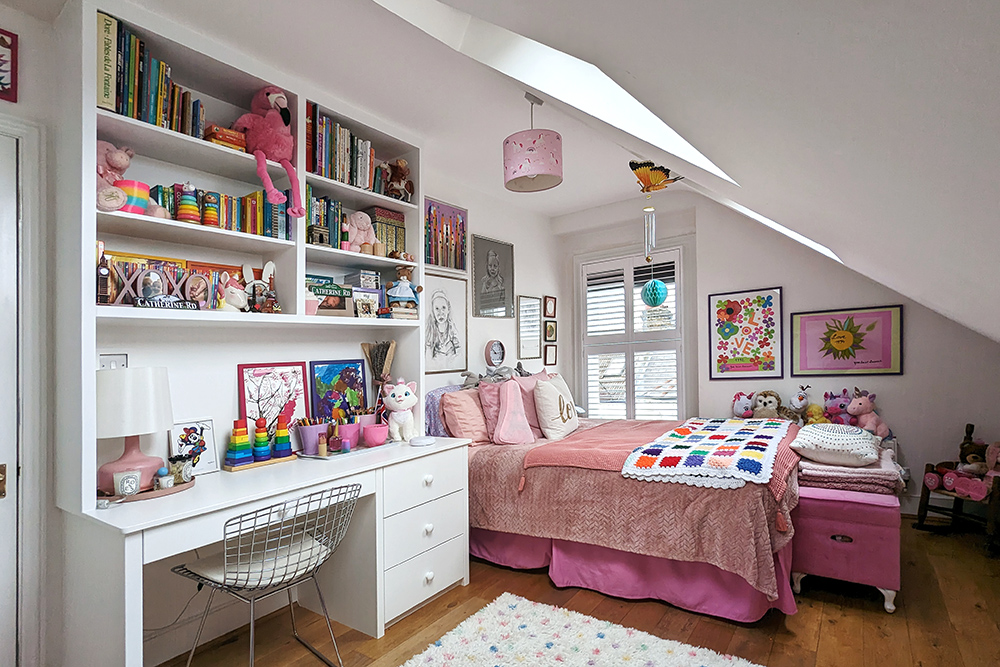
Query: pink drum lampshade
point(532, 161)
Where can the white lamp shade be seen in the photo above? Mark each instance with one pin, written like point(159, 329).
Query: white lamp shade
point(532, 161)
point(133, 401)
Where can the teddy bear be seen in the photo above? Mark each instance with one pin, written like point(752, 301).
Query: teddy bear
point(862, 406)
point(111, 165)
point(767, 405)
point(402, 292)
point(359, 230)
point(972, 454)
point(398, 185)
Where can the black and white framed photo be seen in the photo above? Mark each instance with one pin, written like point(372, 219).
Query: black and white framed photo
point(446, 344)
point(551, 331)
point(529, 327)
point(492, 277)
point(196, 437)
point(550, 307)
point(550, 355)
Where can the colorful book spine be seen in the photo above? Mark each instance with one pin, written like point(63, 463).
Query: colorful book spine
point(107, 61)
point(164, 104)
point(133, 68)
point(311, 137)
point(143, 91)
point(120, 70)
point(186, 112)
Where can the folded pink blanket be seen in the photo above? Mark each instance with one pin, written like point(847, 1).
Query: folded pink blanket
point(843, 485)
point(884, 473)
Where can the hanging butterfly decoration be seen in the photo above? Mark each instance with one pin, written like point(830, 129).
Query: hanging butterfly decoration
point(652, 177)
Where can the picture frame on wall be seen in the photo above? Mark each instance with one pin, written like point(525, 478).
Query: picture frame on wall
point(445, 228)
point(529, 327)
point(8, 65)
point(269, 390)
point(551, 356)
point(338, 388)
point(492, 277)
point(551, 331)
point(446, 340)
point(848, 341)
point(746, 335)
point(197, 438)
point(550, 307)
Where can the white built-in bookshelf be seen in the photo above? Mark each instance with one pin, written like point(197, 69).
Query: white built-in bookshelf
point(201, 349)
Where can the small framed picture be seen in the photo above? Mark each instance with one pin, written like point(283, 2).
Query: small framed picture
point(196, 437)
point(367, 302)
point(270, 390)
point(550, 331)
point(8, 66)
point(550, 307)
point(550, 355)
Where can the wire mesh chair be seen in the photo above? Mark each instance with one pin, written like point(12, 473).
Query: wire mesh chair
point(273, 550)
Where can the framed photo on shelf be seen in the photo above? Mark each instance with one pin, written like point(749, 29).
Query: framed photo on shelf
point(550, 355)
point(338, 387)
point(269, 390)
point(197, 438)
point(550, 307)
point(850, 341)
point(8, 66)
point(367, 301)
point(446, 343)
point(529, 327)
point(492, 277)
point(445, 228)
point(550, 331)
point(745, 336)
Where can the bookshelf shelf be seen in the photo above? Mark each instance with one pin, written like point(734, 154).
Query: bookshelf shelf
point(157, 143)
point(351, 260)
point(174, 231)
point(353, 197)
point(126, 316)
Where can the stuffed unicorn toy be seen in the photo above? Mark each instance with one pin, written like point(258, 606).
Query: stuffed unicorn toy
point(835, 408)
point(863, 407)
point(743, 405)
point(399, 399)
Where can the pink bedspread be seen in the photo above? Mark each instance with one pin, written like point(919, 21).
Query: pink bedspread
point(735, 530)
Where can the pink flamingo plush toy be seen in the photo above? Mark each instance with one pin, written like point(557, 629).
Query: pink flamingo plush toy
point(269, 137)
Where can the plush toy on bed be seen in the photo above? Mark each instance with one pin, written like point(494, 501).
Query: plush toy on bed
point(863, 408)
point(767, 405)
point(399, 400)
point(814, 415)
point(799, 403)
point(743, 406)
point(835, 408)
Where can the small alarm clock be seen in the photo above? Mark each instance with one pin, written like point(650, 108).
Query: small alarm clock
point(495, 353)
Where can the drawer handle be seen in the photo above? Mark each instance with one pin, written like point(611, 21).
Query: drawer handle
point(428, 480)
point(429, 577)
point(428, 529)
point(846, 539)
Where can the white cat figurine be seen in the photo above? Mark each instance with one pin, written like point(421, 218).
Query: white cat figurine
point(399, 399)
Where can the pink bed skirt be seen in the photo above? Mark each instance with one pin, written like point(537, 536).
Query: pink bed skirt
point(697, 587)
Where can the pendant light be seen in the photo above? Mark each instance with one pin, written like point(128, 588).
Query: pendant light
point(532, 159)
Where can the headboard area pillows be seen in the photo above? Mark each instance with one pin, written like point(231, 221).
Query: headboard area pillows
point(489, 399)
point(837, 444)
point(527, 385)
point(463, 417)
point(512, 423)
point(556, 410)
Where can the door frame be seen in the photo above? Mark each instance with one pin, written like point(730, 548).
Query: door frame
point(34, 483)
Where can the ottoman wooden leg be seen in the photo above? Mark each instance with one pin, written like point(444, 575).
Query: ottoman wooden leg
point(890, 599)
point(797, 582)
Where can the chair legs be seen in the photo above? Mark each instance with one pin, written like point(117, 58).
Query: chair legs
point(201, 626)
point(329, 627)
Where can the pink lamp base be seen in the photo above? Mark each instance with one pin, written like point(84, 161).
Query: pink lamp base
point(132, 459)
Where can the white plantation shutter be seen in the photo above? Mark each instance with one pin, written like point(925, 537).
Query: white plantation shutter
point(631, 352)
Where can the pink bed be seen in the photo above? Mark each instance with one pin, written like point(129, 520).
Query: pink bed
point(726, 553)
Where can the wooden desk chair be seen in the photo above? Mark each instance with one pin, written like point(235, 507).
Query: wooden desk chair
point(273, 550)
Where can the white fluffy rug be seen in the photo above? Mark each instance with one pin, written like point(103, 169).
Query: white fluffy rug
point(514, 632)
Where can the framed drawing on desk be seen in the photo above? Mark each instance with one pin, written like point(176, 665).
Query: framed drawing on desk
point(269, 390)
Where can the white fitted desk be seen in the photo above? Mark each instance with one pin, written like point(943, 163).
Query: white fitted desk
point(408, 540)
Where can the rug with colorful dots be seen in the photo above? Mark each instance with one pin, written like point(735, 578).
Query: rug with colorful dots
point(514, 632)
point(713, 453)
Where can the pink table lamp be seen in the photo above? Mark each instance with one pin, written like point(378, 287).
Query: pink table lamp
point(130, 403)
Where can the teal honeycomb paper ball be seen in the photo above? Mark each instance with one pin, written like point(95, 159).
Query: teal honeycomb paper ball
point(654, 293)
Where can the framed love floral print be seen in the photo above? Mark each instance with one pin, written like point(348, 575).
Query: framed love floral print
point(746, 338)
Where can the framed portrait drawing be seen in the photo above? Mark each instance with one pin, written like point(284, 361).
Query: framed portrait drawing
point(529, 327)
point(745, 337)
point(492, 277)
point(338, 387)
point(446, 340)
point(269, 390)
point(551, 331)
point(197, 438)
point(550, 307)
point(852, 341)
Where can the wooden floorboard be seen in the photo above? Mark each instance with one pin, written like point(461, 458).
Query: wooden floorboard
point(948, 615)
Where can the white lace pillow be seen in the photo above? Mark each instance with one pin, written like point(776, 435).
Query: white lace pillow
point(556, 410)
point(837, 444)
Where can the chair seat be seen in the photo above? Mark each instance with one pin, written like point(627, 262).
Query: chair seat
point(300, 556)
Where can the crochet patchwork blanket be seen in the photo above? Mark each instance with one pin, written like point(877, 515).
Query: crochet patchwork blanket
point(710, 453)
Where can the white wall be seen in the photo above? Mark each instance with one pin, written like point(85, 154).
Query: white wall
point(536, 269)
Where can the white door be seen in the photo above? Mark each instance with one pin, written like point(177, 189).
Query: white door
point(9, 215)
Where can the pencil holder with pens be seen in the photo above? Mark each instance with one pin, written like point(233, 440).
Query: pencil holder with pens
point(309, 438)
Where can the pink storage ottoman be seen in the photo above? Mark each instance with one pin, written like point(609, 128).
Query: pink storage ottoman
point(847, 535)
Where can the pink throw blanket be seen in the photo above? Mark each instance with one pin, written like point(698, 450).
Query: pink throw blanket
point(884, 476)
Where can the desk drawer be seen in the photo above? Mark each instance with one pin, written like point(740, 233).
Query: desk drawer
point(425, 526)
point(415, 482)
point(410, 583)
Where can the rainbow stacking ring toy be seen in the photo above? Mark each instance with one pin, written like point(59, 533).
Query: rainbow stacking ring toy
point(137, 194)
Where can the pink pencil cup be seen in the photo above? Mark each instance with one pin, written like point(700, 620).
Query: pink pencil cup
point(349, 432)
point(376, 434)
point(137, 194)
point(367, 420)
point(309, 438)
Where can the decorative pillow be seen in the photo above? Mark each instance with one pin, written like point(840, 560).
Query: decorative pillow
point(527, 385)
point(837, 444)
point(489, 399)
point(462, 415)
point(512, 424)
point(555, 408)
point(433, 419)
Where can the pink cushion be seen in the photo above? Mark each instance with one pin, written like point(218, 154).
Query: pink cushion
point(462, 415)
point(527, 385)
point(512, 424)
point(489, 400)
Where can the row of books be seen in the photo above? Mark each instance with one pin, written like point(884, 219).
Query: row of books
point(445, 241)
point(334, 152)
point(324, 212)
point(250, 214)
point(131, 82)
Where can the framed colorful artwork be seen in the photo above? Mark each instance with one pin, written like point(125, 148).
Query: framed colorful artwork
point(852, 341)
point(8, 66)
point(550, 307)
point(269, 390)
point(197, 438)
point(338, 387)
point(550, 331)
point(745, 337)
point(492, 278)
point(446, 340)
point(445, 233)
